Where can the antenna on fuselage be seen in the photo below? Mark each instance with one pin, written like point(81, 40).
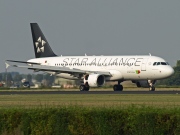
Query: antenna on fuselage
point(149, 54)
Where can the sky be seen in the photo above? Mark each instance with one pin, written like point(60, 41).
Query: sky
point(94, 27)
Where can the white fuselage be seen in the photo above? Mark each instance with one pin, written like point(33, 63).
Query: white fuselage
point(120, 67)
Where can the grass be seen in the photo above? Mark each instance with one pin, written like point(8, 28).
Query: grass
point(89, 114)
point(109, 100)
point(77, 120)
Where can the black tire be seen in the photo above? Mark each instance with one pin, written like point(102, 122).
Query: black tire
point(82, 87)
point(115, 87)
point(152, 88)
point(86, 88)
point(118, 87)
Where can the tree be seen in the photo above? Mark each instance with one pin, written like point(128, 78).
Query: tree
point(9, 79)
point(178, 63)
point(1, 77)
point(49, 79)
point(174, 79)
point(29, 78)
point(39, 77)
point(17, 78)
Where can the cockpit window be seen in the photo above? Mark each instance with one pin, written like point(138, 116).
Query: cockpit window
point(163, 63)
point(154, 63)
point(160, 63)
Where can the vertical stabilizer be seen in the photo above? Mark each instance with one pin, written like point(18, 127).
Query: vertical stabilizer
point(41, 45)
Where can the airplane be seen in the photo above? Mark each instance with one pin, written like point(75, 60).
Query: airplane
point(95, 71)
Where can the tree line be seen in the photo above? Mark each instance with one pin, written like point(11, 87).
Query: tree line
point(174, 80)
point(11, 78)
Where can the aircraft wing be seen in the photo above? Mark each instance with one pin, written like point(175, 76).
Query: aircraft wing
point(24, 62)
point(57, 70)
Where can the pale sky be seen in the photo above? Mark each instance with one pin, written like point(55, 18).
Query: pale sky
point(94, 27)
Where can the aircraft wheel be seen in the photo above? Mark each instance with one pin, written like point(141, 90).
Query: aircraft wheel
point(86, 88)
point(152, 88)
point(115, 87)
point(82, 87)
point(118, 87)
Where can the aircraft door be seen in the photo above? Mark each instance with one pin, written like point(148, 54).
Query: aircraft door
point(143, 66)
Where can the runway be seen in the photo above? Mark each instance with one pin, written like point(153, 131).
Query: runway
point(24, 92)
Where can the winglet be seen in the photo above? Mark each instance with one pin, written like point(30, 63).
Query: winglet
point(7, 65)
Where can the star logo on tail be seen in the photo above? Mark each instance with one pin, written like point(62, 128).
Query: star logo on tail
point(40, 45)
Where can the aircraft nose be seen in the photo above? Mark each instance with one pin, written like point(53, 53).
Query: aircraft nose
point(169, 71)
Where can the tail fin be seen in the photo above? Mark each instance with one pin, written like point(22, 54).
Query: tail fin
point(41, 45)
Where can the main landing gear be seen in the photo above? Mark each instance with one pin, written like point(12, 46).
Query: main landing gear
point(83, 87)
point(118, 87)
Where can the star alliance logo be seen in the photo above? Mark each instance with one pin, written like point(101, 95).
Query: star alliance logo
point(40, 45)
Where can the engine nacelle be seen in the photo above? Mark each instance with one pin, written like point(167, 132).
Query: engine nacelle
point(142, 83)
point(94, 80)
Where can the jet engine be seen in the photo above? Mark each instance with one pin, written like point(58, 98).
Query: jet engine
point(144, 83)
point(94, 80)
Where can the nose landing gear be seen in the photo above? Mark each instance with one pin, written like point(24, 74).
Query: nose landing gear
point(152, 88)
point(151, 85)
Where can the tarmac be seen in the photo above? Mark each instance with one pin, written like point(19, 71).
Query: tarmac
point(24, 92)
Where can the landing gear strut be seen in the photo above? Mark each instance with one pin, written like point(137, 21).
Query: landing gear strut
point(118, 87)
point(151, 84)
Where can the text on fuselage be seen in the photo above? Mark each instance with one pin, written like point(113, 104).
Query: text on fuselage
point(104, 61)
